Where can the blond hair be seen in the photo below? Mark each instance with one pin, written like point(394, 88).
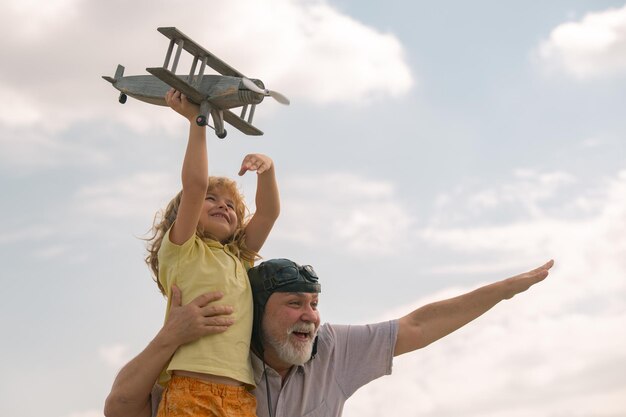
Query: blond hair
point(164, 219)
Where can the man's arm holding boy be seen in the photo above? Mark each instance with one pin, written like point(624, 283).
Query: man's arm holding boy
point(130, 393)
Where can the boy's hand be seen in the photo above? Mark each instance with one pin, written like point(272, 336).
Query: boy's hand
point(179, 103)
point(256, 162)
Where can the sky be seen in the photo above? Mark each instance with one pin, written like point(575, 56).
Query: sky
point(429, 148)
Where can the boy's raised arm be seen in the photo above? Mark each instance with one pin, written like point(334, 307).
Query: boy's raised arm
point(267, 200)
point(195, 170)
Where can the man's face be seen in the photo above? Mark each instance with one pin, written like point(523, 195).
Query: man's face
point(290, 325)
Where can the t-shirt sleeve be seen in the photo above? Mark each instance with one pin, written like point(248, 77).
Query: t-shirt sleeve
point(170, 254)
point(362, 353)
point(155, 398)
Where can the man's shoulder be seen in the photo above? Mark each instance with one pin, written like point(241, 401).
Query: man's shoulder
point(354, 354)
point(330, 334)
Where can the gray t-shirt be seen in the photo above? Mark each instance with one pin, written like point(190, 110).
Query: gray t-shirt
point(347, 358)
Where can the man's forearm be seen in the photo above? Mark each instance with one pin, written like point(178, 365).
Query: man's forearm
point(441, 318)
point(436, 320)
point(130, 394)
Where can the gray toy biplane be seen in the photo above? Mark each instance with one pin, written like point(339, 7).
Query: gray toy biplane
point(215, 94)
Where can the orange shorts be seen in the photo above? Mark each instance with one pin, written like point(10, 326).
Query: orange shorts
point(191, 397)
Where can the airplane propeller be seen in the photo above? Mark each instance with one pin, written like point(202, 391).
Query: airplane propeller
point(274, 94)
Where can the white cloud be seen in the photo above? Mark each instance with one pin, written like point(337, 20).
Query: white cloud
point(115, 355)
point(23, 150)
point(35, 17)
point(593, 47)
point(86, 413)
point(527, 192)
point(53, 251)
point(308, 50)
point(557, 350)
point(360, 216)
point(17, 109)
point(134, 196)
point(29, 233)
point(592, 142)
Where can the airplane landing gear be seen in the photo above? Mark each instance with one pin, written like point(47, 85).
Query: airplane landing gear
point(201, 120)
point(221, 135)
point(122, 98)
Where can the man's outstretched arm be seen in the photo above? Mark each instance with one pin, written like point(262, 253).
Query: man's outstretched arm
point(436, 320)
point(130, 394)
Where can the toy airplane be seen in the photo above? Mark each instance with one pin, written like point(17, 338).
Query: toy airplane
point(215, 94)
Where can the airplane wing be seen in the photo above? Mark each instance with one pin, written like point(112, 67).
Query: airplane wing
point(196, 50)
point(241, 124)
point(169, 78)
point(181, 85)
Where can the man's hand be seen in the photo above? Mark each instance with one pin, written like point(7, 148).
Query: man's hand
point(256, 162)
point(522, 282)
point(198, 318)
point(130, 394)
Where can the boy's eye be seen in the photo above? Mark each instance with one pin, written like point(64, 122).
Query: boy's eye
point(231, 205)
point(210, 197)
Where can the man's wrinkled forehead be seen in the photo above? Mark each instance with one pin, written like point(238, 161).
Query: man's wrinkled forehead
point(278, 295)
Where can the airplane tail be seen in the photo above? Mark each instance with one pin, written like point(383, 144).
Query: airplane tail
point(119, 73)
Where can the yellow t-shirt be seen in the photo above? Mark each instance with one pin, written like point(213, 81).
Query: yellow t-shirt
point(196, 267)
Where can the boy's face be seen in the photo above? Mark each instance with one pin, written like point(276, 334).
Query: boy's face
point(218, 217)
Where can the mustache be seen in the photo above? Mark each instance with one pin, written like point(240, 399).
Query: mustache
point(303, 328)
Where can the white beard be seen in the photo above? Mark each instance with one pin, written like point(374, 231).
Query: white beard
point(295, 353)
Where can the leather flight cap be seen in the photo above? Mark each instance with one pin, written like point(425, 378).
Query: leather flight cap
point(281, 275)
point(277, 275)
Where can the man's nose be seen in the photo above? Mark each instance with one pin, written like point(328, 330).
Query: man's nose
point(309, 314)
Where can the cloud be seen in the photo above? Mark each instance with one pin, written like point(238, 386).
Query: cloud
point(328, 57)
point(133, 196)
point(24, 150)
point(25, 234)
point(309, 50)
point(364, 217)
point(590, 48)
point(529, 193)
point(557, 350)
point(86, 413)
point(115, 355)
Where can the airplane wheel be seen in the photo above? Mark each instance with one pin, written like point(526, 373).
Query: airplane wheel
point(201, 120)
point(221, 135)
point(122, 98)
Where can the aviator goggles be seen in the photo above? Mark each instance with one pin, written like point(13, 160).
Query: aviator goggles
point(279, 273)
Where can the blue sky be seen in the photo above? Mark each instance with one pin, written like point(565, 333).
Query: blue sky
point(429, 148)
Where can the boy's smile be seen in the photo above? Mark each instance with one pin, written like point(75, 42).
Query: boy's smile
point(218, 217)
